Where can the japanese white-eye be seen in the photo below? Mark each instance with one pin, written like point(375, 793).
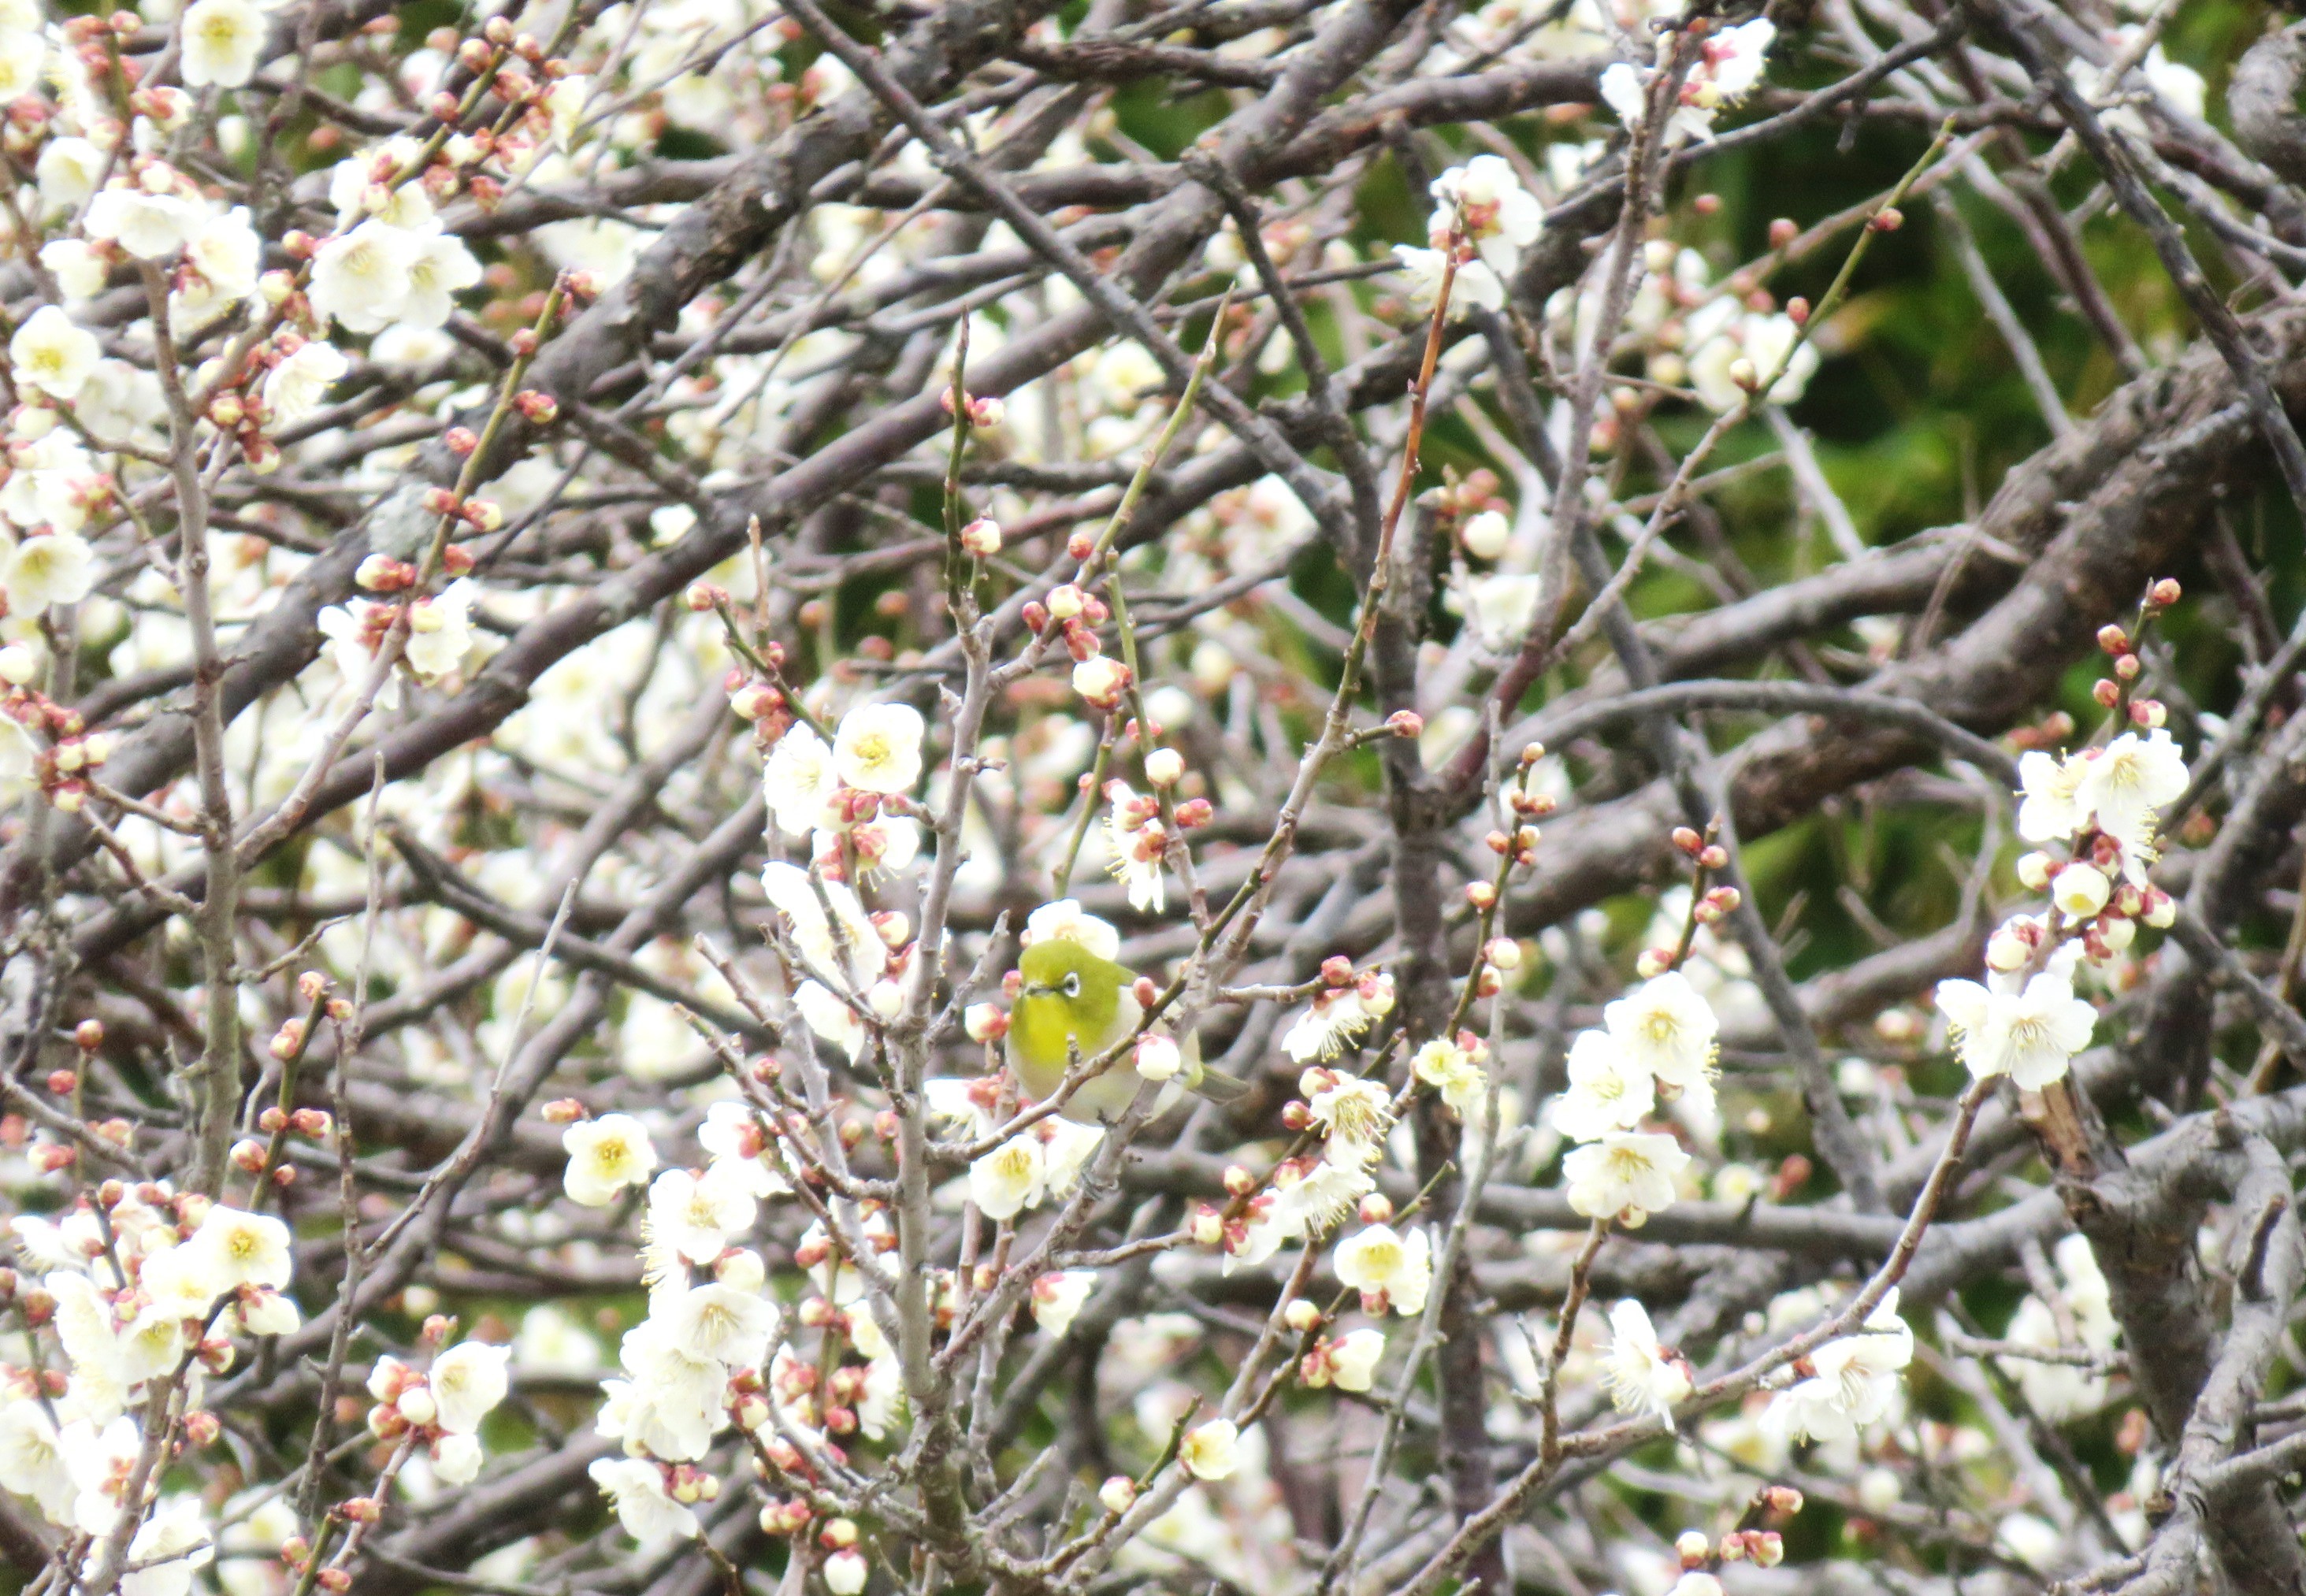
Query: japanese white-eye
point(1071, 1001)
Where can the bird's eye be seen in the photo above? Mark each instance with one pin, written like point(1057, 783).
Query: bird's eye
point(1073, 985)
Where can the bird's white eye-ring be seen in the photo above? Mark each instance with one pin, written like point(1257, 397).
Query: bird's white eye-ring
point(1072, 984)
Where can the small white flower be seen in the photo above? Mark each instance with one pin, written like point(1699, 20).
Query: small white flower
point(1057, 1298)
point(1666, 1030)
point(2080, 890)
point(1007, 1180)
point(149, 226)
point(167, 1549)
point(1490, 207)
point(2126, 784)
point(1640, 1376)
point(441, 631)
point(1855, 1380)
point(1136, 845)
point(1608, 1091)
point(2031, 1036)
point(361, 279)
point(1354, 1358)
point(830, 1019)
point(295, 387)
point(695, 1216)
point(844, 945)
point(1449, 1070)
point(1065, 920)
point(68, 172)
point(1475, 287)
point(439, 268)
point(877, 747)
point(1353, 1114)
point(798, 781)
point(58, 568)
point(235, 1249)
point(716, 1323)
point(51, 354)
point(605, 1156)
point(2050, 809)
point(1624, 1170)
point(19, 758)
point(227, 253)
point(468, 1381)
point(1210, 1451)
point(645, 1508)
point(1337, 1017)
point(456, 1459)
point(223, 40)
point(1389, 1268)
point(79, 270)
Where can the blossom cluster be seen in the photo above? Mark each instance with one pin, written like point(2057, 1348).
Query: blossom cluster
point(2099, 808)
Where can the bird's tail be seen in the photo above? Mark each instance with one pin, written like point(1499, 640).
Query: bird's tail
point(1220, 1088)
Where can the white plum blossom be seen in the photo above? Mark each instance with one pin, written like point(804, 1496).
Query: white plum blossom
point(440, 630)
point(1353, 1357)
point(361, 279)
point(842, 946)
point(149, 227)
point(696, 1215)
point(167, 1548)
point(439, 268)
point(830, 1019)
point(466, 1382)
point(1452, 1071)
point(1210, 1451)
point(877, 747)
point(235, 1249)
point(1486, 203)
point(295, 387)
point(1608, 1089)
point(2030, 1035)
point(645, 1508)
point(1639, 1375)
point(1475, 285)
point(798, 780)
point(1855, 1383)
point(1067, 921)
point(2126, 785)
point(1338, 1019)
point(68, 171)
point(1057, 1298)
point(52, 355)
point(1666, 1030)
point(2050, 807)
point(57, 567)
point(605, 1156)
point(1008, 1180)
point(223, 40)
point(1624, 1171)
point(1728, 65)
point(1389, 1268)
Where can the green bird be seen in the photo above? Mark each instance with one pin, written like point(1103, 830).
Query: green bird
point(1072, 1000)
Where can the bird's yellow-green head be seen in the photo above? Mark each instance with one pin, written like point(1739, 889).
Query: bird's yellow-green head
point(1068, 997)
